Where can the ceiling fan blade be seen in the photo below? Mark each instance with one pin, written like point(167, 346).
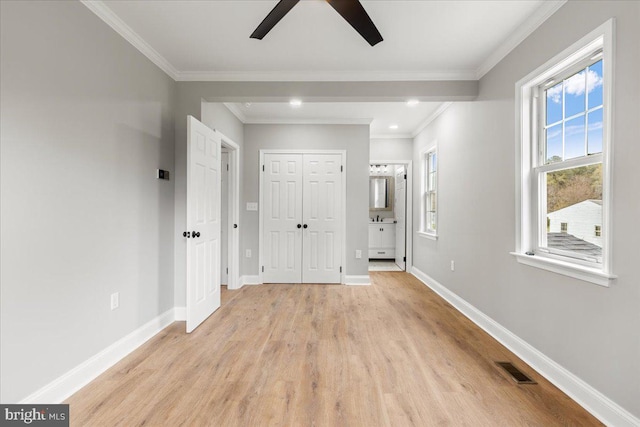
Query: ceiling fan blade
point(276, 14)
point(353, 12)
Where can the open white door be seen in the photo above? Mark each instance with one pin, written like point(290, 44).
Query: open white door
point(401, 214)
point(203, 222)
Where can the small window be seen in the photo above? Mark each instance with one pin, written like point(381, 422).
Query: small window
point(563, 227)
point(598, 231)
point(430, 192)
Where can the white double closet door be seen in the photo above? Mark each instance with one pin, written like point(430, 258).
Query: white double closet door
point(302, 218)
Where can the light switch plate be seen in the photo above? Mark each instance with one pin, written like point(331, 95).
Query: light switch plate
point(252, 206)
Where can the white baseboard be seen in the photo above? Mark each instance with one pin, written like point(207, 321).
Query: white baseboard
point(64, 386)
point(603, 408)
point(357, 280)
point(250, 280)
point(180, 314)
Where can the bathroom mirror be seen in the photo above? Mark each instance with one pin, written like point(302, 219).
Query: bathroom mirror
point(380, 193)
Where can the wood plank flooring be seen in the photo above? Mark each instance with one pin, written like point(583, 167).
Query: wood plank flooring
point(390, 354)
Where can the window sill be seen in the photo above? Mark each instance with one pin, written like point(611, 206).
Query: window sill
point(566, 268)
point(431, 236)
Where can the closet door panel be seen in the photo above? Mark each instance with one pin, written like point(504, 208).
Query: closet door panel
point(282, 198)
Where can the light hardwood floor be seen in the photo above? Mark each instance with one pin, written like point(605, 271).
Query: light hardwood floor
point(390, 354)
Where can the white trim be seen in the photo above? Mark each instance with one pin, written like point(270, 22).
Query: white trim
point(566, 268)
point(306, 121)
point(343, 153)
point(600, 406)
point(67, 384)
point(422, 126)
point(326, 76)
point(431, 236)
point(250, 280)
point(180, 314)
point(234, 211)
point(524, 30)
point(119, 26)
point(233, 107)
point(526, 206)
point(391, 136)
point(357, 280)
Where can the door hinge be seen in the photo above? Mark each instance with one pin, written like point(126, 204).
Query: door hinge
point(340, 269)
point(227, 167)
point(404, 259)
point(341, 168)
point(262, 168)
point(405, 176)
point(227, 271)
point(263, 268)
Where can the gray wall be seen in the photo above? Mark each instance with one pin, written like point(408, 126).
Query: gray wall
point(86, 121)
point(590, 330)
point(391, 149)
point(352, 138)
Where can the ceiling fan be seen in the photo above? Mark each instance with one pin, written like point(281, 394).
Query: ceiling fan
point(351, 10)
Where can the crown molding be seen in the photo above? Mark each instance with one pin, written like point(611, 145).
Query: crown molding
point(111, 19)
point(548, 8)
point(390, 136)
point(323, 76)
point(292, 121)
point(431, 118)
point(236, 111)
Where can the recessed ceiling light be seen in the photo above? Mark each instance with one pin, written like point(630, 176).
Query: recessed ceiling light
point(393, 127)
point(413, 102)
point(295, 102)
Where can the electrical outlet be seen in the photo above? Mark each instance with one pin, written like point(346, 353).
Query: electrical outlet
point(453, 265)
point(358, 254)
point(247, 253)
point(115, 300)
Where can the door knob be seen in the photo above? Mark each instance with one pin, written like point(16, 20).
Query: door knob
point(235, 225)
point(305, 226)
point(196, 234)
point(186, 234)
point(299, 225)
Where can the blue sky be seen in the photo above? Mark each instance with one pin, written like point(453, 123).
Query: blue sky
point(582, 92)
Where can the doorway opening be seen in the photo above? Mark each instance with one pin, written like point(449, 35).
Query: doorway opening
point(390, 215)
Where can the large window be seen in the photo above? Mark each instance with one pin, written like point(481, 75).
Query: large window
point(564, 161)
point(430, 192)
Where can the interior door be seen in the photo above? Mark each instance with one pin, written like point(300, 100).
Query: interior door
point(224, 219)
point(401, 215)
point(282, 218)
point(322, 226)
point(203, 222)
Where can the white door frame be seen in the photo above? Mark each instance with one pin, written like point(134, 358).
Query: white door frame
point(233, 245)
point(409, 210)
point(343, 227)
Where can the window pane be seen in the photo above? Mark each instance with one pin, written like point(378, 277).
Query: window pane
point(574, 142)
point(574, 96)
point(554, 104)
point(554, 144)
point(594, 136)
point(594, 84)
point(574, 209)
point(434, 162)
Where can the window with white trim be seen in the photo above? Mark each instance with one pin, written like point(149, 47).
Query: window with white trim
point(430, 192)
point(564, 161)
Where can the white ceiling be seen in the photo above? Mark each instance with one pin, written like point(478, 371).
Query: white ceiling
point(380, 115)
point(423, 40)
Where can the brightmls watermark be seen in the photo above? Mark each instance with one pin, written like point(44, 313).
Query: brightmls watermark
point(34, 415)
